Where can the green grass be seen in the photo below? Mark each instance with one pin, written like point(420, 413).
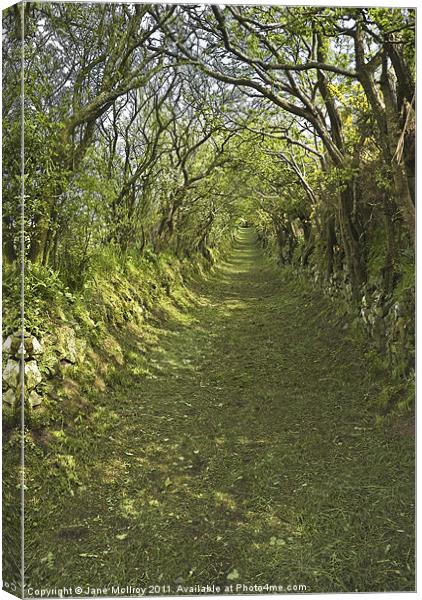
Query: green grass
point(239, 446)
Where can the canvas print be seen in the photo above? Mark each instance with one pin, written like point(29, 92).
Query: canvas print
point(208, 299)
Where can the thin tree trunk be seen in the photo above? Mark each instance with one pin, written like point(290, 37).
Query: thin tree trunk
point(350, 239)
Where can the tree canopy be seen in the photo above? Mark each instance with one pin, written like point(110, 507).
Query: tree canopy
point(158, 127)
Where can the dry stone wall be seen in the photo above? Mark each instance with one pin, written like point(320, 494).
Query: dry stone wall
point(43, 360)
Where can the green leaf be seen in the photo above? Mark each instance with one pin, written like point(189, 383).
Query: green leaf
point(234, 574)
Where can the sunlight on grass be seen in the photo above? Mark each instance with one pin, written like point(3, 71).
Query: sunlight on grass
point(239, 452)
point(112, 471)
point(128, 510)
point(225, 500)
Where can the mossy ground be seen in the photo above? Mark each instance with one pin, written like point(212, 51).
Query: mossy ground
point(237, 445)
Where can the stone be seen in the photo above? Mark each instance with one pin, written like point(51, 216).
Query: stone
point(34, 399)
point(21, 351)
point(66, 344)
point(33, 346)
point(9, 397)
point(32, 375)
point(11, 373)
point(12, 343)
point(36, 346)
point(7, 345)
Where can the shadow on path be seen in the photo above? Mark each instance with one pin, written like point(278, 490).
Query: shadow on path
point(245, 454)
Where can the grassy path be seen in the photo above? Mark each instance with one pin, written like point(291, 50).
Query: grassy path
point(247, 455)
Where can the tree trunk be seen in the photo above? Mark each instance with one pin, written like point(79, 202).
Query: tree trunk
point(9, 235)
point(331, 241)
point(352, 247)
point(388, 121)
point(38, 238)
point(403, 194)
